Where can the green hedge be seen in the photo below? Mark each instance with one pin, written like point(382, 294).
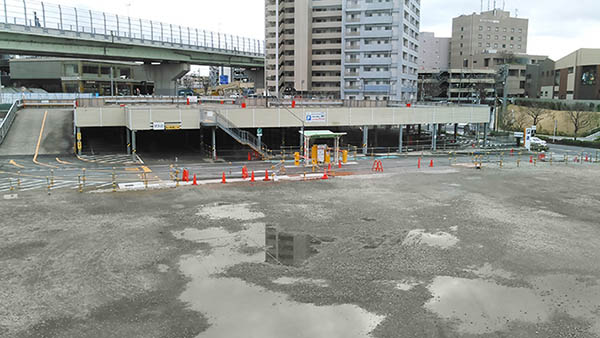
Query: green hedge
point(569, 142)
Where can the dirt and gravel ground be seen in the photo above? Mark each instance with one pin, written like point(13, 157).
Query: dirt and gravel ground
point(449, 252)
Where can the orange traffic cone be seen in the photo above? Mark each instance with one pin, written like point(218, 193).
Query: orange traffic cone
point(244, 172)
point(329, 167)
point(340, 164)
point(252, 177)
point(431, 164)
point(266, 176)
point(530, 159)
point(419, 163)
point(223, 180)
point(194, 182)
point(325, 177)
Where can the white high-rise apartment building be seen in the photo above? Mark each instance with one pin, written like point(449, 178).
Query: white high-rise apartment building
point(349, 49)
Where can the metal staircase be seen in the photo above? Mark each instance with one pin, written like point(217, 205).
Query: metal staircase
point(213, 118)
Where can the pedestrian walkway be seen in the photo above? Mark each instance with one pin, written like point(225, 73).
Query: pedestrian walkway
point(110, 159)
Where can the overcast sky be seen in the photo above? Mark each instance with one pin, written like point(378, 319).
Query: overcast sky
point(556, 27)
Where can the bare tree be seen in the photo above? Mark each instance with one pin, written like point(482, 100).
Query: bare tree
point(537, 114)
point(580, 120)
point(520, 121)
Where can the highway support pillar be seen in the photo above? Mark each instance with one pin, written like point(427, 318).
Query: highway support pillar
point(434, 137)
point(128, 133)
point(214, 143)
point(133, 145)
point(165, 76)
point(365, 139)
point(400, 138)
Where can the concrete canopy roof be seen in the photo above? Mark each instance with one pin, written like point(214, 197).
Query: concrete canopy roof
point(321, 134)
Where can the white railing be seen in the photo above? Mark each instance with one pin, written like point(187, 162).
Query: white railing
point(10, 98)
point(50, 17)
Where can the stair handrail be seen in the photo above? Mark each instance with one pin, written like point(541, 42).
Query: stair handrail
point(9, 119)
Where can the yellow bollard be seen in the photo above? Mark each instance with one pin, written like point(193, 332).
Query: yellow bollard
point(518, 162)
point(345, 156)
point(80, 184)
point(11, 185)
point(83, 178)
point(296, 159)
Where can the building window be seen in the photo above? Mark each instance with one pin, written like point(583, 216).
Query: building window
point(480, 28)
point(495, 45)
point(480, 36)
point(489, 28)
point(480, 44)
point(589, 76)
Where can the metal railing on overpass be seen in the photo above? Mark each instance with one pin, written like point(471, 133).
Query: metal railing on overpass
point(52, 18)
point(9, 98)
point(8, 120)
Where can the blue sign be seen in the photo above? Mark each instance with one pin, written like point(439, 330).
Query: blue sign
point(224, 79)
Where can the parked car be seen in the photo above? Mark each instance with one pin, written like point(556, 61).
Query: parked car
point(538, 141)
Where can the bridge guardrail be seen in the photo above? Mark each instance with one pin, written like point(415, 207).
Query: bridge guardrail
point(48, 17)
point(8, 120)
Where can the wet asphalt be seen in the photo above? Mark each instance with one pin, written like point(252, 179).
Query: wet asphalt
point(449, 251)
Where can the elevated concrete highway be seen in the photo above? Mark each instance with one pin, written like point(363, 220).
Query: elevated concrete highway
point(39, 28)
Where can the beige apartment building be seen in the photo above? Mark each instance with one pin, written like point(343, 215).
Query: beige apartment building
point(490, 32)
point(349, 49)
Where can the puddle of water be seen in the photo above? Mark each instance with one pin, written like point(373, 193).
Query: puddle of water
point(483, 306)
point(238, 309)
point(487, 271)
point(288, 248)
point(454, 228)
point(439, 239)
point(300, 280)
point(239, 212)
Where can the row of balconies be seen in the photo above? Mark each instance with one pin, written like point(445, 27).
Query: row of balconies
point(369, 74)
point(370, 47)
point(370, 20)
point(362, 33)
point(361, 6)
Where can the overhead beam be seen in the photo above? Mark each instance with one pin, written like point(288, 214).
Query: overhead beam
point(42, 45)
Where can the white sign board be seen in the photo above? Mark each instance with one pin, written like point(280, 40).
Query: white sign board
point(158, 126)
point(321, 153)
point(528, 132)
point(316, 117)
point(193, 99)
point(519, 134)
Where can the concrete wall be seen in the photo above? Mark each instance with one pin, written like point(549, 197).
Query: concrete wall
point(140, 118)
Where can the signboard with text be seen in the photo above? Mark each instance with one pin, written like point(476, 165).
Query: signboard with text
point(316, 117)
point(158, 126)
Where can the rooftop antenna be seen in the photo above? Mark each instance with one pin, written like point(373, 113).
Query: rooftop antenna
point(503, 4)
point(489, 5)
point(516, 12)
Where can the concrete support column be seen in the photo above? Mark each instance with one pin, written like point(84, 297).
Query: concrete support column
point(400, 138)
point(434, 138)
point(133, 145)
point(127, 132)
point(214, 143)
point(455, 131)
point(365, 139)
point(165, 76)
point(485, 135)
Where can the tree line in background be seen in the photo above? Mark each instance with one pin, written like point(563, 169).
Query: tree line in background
point(582, 116)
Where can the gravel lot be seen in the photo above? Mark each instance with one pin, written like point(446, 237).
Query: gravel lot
point(448, 252)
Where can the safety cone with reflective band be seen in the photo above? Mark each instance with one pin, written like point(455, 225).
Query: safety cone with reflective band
point(325, 177)
point(244, 172)
point(252, 177)
point(223, 180)
point(266, 176)
point(431, 164)
point(419, 163)
point(194, 182)
point(530, 159)
point(340, 164)
point(329, 166)
point(186, 175)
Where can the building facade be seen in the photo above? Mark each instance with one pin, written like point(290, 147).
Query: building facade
point(487, 32)
point(434, 52)
point(577, 76)
point(468, 86)
point(540, 80)
point(81, 76)
point(349, 49)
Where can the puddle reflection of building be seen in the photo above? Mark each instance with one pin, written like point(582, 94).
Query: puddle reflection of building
point(287, 248)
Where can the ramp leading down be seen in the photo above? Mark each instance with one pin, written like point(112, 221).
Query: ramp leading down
point(23, 136)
